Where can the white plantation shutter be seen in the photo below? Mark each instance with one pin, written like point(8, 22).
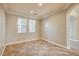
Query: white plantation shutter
point(32, 25)
point(22, 25)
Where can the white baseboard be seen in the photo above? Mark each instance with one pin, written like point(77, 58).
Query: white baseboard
point(68, 47)
point(3, 50)
point(76, 40)
point(21, 41)
point(55, 43)
point(37, 39)
point(33, 40)
point(16, 43)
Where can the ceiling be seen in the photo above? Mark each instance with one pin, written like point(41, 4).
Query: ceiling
point(75, 11)
point(33, 9)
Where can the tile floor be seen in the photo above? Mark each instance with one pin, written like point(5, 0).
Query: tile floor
point(36, 48)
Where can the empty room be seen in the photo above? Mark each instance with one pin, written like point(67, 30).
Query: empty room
point(39, 29)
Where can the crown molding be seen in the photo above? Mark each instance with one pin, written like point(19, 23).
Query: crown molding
point(53, 13)
point(66, 7)
point(71, 6)
point(4, 6)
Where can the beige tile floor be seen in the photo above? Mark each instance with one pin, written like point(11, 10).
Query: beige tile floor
point(36, 48)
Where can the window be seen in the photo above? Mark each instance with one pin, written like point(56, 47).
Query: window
point(22, 25)
point(32, 25)
point(72, 25)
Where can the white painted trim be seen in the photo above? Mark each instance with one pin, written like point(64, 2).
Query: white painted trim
point(74, 40)
point(20, 42)
point(68, 47)
point(34, 40)
point(68, 6)
point(55, 43)
point(67, 29)
point(3, 50)
point(17, 43)
point(37, 39)
point(67, 24)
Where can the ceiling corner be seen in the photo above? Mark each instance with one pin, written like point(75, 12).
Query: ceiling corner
point(67, 6)
point(5, 6)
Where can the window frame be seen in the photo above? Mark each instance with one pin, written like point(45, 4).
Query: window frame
point(25, 25)
point(34, 26)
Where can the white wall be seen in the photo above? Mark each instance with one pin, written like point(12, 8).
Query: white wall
point(13, 36)
point(54, 28)
point(77, 28)
point(2, 29)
